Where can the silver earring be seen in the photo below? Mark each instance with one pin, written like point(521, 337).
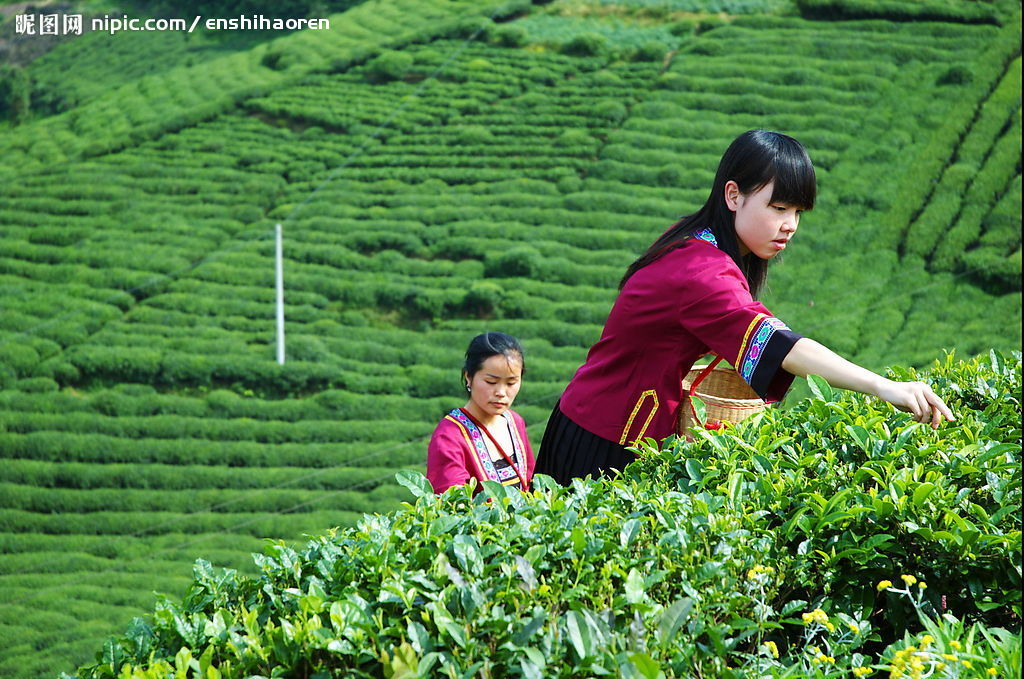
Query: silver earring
point(467, 388)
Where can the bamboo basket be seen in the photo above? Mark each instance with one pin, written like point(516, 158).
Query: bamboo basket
point(727, 398)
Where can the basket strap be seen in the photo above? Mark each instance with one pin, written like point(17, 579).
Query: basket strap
point(693, 389)
point(704, 373)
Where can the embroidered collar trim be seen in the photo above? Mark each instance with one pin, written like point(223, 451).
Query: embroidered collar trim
point(707, 236)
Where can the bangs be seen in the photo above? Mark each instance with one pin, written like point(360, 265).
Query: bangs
point(795, 182)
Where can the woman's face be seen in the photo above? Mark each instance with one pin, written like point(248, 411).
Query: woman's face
point(762, 227)
point(493, 387)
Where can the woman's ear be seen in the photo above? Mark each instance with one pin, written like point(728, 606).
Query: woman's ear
point(732, 195)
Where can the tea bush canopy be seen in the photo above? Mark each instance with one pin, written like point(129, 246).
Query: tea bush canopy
point(441, 168)
point(762, 550)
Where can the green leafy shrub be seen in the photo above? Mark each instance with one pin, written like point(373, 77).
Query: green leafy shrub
point(521, 261)
point(767, 548)
point(651, 51)
point(510, 35)
point(586, 45)
point(389, 66)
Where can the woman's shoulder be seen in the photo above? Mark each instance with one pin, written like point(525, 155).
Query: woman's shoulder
point(700, 259)
point(450, 422)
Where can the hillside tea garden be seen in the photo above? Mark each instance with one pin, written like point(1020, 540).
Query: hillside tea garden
point(441, 168)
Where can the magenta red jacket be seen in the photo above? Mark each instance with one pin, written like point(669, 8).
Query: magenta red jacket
point(458, 452)
point(692, 301)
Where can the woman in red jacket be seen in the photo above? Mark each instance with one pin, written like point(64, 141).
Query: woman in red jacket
point(485, 439)
point(692, 292)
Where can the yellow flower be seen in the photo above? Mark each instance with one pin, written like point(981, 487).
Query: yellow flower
point(926, 640)
point(771, 648)
point(760, 572)
point(993, 672)
point(884, 584)
point(955, 644)
point(861, 671)
point(854, 628)
point(830, 627)
point(817, 615)
point(967, 663)
point(909, 579)
point(949, 656)
point(922, 585)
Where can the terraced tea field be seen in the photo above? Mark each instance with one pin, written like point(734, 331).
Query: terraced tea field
point(436, 174)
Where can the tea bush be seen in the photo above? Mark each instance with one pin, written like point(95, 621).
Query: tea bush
point(767, 547)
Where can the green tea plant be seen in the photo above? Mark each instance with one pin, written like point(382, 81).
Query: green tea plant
point(693, 562)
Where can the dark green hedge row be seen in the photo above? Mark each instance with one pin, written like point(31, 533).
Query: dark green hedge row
point(899, 10)
point(454, 175)
point(99, 256)
point(256, 524)
point(138, 400)
point(212, 429)
point(354, 497)
point(170, 477)
point(121, 583)
point(74, 448)
point(124, 548)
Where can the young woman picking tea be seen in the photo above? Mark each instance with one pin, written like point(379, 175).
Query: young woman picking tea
point(694, 291)
point(485, 439)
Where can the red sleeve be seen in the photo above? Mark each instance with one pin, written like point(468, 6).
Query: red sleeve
point(446, 457)
point(723, 316)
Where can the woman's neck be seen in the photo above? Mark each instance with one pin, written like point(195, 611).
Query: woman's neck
point(483, 418)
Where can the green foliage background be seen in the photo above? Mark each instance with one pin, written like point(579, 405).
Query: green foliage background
point(439, 169)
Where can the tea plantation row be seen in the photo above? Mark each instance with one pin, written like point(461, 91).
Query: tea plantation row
point(430, 187)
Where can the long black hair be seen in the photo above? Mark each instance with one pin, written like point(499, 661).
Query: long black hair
point(488, 344)
point(752, 160)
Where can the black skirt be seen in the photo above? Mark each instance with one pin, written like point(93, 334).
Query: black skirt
point(569, 451)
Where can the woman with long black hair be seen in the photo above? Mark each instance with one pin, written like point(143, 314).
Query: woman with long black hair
point(693, 292)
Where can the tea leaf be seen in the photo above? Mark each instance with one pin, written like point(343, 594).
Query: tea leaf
point(821, 389)
point(579, 634)
point(634, 586)
point(673, 618)
point(417, 484)
point(700, 410)
point(630, 529)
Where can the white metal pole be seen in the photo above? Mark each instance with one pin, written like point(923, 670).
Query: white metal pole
point(280, 296)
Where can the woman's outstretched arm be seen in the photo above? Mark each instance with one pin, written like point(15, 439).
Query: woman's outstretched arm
point(808, 357)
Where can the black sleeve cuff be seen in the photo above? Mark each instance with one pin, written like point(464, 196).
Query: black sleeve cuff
point(769, 380)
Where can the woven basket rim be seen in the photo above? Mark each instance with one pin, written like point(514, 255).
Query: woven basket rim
point(710, 397)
